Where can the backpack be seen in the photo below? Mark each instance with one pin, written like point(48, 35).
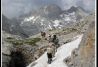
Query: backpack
point(56, 41)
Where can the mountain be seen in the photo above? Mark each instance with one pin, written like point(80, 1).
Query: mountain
point(72, 9)
point(50, 17)
point(75, 9)
point(36, 21)
point(12, 27)
point(79, 11)
point(50, 11)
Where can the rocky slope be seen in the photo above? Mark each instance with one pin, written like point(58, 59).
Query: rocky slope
point(6, 57)
point(84, 55)
point(6, 50)
point(14, 54)
point(12, 27)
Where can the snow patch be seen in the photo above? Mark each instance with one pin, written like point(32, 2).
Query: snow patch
point(62, 52)
point(42, 23)
point(50, 27)
point(56, 23)
point(29, 19)
point(67, 19)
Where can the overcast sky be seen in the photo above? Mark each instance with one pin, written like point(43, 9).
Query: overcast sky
point(14, 8)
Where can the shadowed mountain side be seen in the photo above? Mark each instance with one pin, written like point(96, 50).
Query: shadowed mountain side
point(12, 27)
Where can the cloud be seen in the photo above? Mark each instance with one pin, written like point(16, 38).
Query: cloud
point(14, 8)
point(86, 4)
point(66, 4)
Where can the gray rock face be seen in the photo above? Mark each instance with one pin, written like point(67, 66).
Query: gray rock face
point(10, 54)
point(5, 60)
point(84, 55)
point(27, 51)
point(18, 55)
point(12, 27)
point(72, 9)
point(6, 51)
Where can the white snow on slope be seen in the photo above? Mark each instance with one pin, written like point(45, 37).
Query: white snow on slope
point(56, 23)
point(62, 52)
point(29, 19)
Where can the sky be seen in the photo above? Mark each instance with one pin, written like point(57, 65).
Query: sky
point(14, 8)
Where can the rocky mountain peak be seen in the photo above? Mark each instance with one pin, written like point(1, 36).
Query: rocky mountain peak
point(50, 11)
point(72, 9)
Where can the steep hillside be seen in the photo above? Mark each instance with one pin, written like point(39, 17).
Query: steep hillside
point(17, 52)
point(84, 55)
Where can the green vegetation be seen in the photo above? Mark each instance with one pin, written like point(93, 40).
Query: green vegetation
point(9, 38)
point(50, 30)
point(17, 42)
point(30, 41)
point(69, 30)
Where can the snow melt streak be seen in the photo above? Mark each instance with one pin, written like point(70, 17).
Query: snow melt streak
point(62, 52)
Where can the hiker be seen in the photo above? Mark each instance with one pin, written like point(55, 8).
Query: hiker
point(50, 51)
point(55, 40)
point(54, 49)
point(50, 38)
point(43, 34)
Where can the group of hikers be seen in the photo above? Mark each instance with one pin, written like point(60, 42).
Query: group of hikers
point(52, 46)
